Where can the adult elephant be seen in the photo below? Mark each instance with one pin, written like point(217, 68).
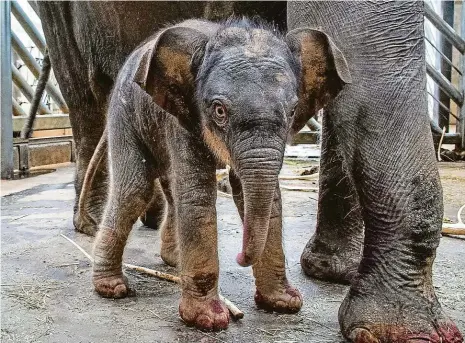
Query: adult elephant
point(89, 41)
point(378, 172)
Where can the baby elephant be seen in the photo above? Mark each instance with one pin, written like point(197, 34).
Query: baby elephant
point(194, 94)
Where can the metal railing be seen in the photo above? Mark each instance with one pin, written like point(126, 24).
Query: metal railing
point(14, 116)
point(454, 94)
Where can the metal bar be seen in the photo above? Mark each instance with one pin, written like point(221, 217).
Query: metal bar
point(44, 122)
point(449, 138)
point(445, 29)
point(17, 110)
point(461, 122)
point(43, 140)
point(24, 87)
point(35, 69)
point(7, 167)
point(314, 125)
point(453, 93)
point(444, 56)
point(444, 107)
point(28, 26)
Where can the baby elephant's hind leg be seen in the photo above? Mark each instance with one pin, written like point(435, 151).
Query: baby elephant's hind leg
point(169, 250)
point(130, 191)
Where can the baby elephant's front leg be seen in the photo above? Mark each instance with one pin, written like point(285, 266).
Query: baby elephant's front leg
point(274, 292)
point(200, 305)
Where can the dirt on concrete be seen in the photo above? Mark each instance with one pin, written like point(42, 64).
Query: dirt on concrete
point(47, 294)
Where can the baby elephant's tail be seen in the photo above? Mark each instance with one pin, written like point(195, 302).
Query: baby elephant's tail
point(92, 168)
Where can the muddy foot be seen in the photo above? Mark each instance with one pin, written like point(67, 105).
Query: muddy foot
point(369, 319)
point(107, 275)
point(208, 315)
point(114, 286)
point(285, 300)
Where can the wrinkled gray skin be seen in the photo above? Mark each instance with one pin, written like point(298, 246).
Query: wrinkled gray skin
point(88, 43)
point(370, 179)
point(229, 94)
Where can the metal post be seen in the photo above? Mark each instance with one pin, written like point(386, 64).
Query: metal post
point(461, 122)
point(446, 49)
point(5, 92)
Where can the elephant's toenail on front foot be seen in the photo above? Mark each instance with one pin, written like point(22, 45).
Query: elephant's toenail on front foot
point(360, 335)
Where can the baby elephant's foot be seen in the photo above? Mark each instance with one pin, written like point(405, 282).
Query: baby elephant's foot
point(111, 285)
point(283, 300)
point(107, 276)
point(206, 315)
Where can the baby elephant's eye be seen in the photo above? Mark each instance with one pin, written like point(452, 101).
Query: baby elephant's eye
point(219, 112)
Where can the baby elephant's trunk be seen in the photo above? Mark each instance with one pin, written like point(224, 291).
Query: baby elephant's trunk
point(258, 170)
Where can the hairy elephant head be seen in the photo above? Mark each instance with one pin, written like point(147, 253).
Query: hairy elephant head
point(240, 86)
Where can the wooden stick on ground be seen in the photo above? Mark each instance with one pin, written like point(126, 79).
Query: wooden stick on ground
point(457, 228)
point(224, 194)
point(297, 189)
point(311, 177)
point(235, 312)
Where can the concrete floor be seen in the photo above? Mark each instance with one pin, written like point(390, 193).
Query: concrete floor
point(47, 295)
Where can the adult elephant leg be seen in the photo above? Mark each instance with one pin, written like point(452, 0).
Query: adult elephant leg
point(392, 299)
point(154, 213)
point(382, 126)
point(274, 292)
point(388, 149)
point(334, 251)
point(85, 92)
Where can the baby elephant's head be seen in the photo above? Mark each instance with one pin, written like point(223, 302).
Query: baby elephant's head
point(245, 88)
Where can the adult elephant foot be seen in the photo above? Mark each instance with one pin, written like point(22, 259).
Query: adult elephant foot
point(335, 265)
point(334, 252)
point(389, 316)
point(285, 299)
point(208, 315)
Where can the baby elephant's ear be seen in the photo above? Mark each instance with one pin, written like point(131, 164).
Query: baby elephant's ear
point(165, 69)
point(324, 72)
